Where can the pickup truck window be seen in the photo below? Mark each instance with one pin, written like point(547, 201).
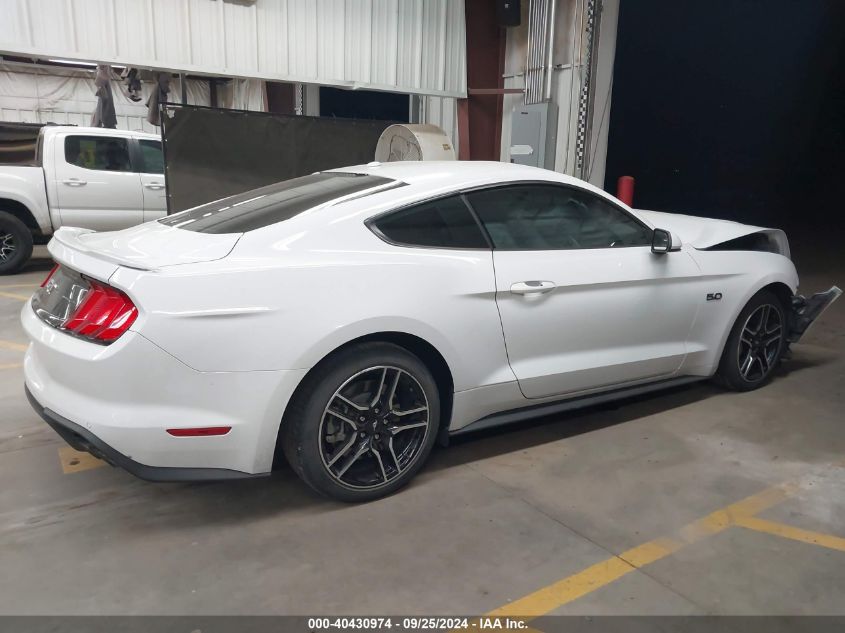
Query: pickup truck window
point(153, 159)
point(105, 153)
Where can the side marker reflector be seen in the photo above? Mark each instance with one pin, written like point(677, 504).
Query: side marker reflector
point(204, 431)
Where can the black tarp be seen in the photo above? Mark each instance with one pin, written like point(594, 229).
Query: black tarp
point(212, 153)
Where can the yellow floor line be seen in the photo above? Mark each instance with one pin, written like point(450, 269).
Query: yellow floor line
point(18, 347)
point(794, 533)
point(74, 461)
point(11, 366)
point(580, 584)
point(14, 295)
point(2, 286)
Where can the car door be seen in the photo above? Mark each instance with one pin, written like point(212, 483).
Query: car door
point(584, 302)
point(152, 178)
point(96, 186)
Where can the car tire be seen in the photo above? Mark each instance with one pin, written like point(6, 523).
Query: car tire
point(755, 345)
point(362, 423)
point(15, 244)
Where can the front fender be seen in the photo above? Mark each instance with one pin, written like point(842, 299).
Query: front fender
point(735, 276)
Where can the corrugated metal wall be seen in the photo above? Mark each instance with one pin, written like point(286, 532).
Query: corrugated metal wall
point(415, 46)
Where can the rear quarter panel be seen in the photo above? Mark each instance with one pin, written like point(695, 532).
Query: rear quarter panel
point(289, 308)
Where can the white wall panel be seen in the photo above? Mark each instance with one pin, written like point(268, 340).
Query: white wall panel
point(171, 31)
point(434, 43)
point(272, 19)
point(409, 44)
point(302, 43)
point(132, 24)
point(413, 46)
point(331, 21)
point(385, 38)
point(358, 46)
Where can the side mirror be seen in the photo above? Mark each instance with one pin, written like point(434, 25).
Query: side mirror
point(663, 241)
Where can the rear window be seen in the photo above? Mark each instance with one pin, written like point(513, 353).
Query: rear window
point(274, 203)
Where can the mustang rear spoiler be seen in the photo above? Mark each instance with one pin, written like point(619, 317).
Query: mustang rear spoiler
point(805, 311)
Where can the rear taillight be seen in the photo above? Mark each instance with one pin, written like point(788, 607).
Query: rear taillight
point(84, 307)
point(103, 315)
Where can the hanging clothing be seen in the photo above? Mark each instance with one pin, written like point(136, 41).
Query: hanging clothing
point(133, 83)
point(157, 97)
point(104, 114)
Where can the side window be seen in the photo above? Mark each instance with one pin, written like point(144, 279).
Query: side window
point(153, 159)
point(444, 223)
point(105, 153)
point(549, 217)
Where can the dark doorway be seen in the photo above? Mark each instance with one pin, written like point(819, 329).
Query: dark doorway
point(733, 109)
point(364, 104)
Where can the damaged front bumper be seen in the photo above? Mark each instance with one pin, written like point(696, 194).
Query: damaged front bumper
point(806, 310)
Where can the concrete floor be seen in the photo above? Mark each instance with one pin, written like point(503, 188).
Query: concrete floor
point(690, 501)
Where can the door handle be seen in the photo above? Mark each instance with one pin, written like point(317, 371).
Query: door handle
point(532, 288)
point(154, 185)
point(75, 182)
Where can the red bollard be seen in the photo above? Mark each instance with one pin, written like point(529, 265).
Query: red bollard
point(625, 190)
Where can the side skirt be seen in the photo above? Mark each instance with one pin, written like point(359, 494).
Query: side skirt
point(548, 408)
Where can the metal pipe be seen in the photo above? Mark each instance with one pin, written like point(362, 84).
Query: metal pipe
point(551, 65)
point(537, 67)
point(528, 50)
point(578, 29)
point(541, 76)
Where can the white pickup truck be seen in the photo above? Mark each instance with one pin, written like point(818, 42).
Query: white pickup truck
point(93, 178)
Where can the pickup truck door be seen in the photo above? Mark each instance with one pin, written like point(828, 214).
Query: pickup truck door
point(95, 183)
point(152, 179)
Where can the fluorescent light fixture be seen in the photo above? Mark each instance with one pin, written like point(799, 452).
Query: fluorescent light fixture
point(73, 62)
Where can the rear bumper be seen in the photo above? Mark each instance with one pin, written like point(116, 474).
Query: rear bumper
point(126, 395)
point(83, 440)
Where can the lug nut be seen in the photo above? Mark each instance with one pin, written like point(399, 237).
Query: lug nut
point(361, 418)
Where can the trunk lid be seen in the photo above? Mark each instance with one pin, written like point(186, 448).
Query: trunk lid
point(147, 246)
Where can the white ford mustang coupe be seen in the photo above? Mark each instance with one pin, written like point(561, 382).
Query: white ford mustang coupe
point(348, 319)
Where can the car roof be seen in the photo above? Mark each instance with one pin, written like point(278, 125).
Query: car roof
point(466, 173)
point(451, 171)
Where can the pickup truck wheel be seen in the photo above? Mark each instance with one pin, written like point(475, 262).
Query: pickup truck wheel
point(15, 244)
